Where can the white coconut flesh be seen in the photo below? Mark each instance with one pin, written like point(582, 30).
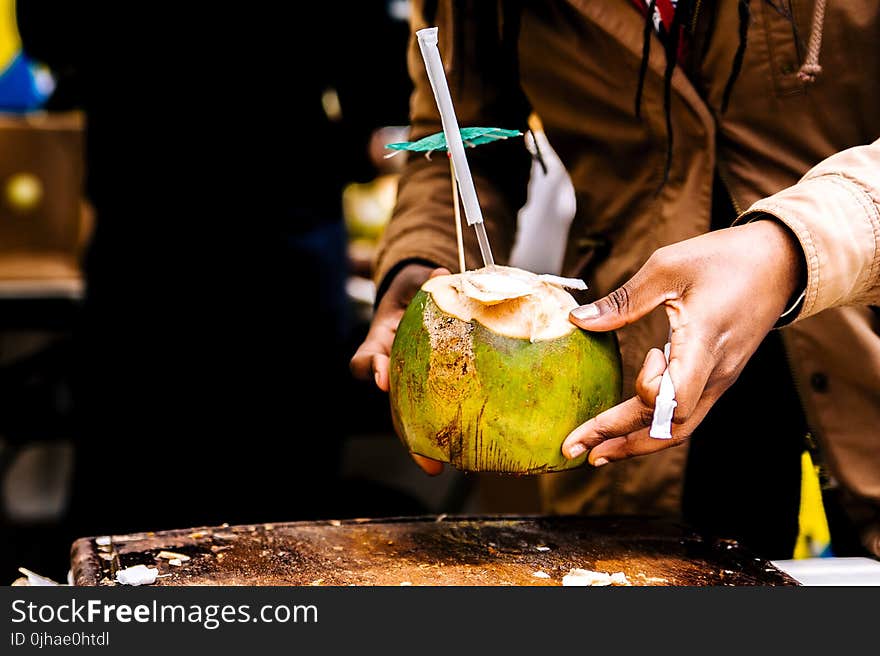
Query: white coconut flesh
point(508, 301)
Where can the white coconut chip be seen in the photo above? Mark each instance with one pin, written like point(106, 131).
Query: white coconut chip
point(577, 577)
point(619, 578)
point(509, 301)
point(37, 580)
point(171, 555)
point(491, 287)
point(137, 575)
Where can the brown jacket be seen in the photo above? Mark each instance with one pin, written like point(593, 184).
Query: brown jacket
point(575, 63)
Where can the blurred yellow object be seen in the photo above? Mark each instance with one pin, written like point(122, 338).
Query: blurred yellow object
point(814, 537)
point(332, 106)
point(43, 225)
point(10, 41)
point(535, 124)
point(367, 207)
point(23, 192)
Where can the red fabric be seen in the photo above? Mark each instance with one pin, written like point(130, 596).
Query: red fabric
point(667, 14)
point(665, 7)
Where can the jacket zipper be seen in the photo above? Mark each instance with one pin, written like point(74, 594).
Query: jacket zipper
point(813, 439)
point(812, 444)
point(736, 206)
point(696, 15)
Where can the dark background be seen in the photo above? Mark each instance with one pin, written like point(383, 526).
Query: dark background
point(204, 378)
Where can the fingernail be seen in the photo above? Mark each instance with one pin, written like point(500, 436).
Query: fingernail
point(585, 312)
point(600, 461)
point(575, 450)
point(376, 377)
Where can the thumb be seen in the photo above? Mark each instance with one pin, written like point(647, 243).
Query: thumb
point(625, 305)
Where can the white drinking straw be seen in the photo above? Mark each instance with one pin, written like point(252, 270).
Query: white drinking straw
point(437, 76)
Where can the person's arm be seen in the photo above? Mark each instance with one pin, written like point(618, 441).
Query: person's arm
point(724, 291)
point(834, 211)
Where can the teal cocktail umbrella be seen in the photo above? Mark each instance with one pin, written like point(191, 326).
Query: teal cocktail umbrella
point(471, 137)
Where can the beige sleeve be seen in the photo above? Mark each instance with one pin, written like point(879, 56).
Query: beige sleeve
point(834, 211)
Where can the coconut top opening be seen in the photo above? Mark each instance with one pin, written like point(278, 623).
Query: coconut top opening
point(509, 301)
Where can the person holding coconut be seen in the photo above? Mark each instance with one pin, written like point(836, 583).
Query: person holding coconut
point(819, 247)
point(676, 120)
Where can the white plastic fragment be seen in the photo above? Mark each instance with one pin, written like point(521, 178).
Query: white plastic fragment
point(540, 575)
point(137, 575)
point(664, 406)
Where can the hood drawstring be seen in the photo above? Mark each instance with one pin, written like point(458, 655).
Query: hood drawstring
point(745, 16)
point(810, 68)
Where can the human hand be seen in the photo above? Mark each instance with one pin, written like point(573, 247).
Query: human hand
point(372, 357)
point(723, 292)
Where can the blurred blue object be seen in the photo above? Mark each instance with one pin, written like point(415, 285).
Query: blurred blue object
point(24, 86)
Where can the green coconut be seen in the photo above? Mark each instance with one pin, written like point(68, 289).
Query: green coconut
point(488, 374)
